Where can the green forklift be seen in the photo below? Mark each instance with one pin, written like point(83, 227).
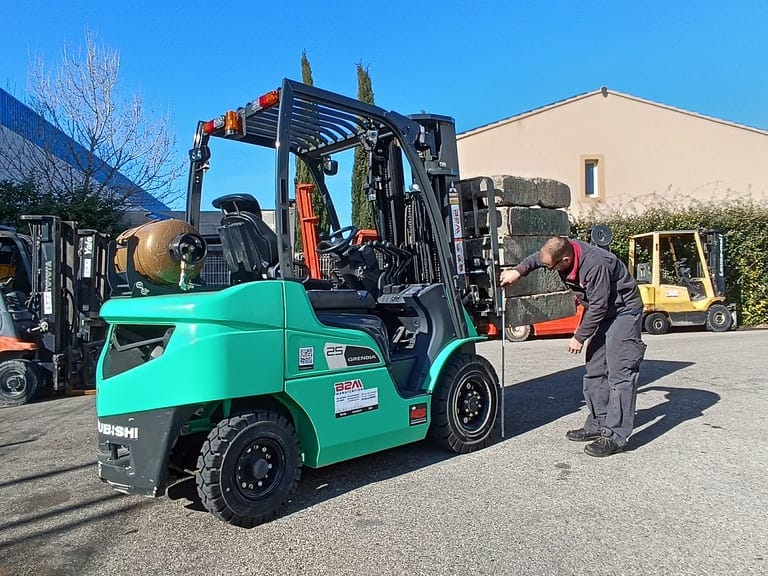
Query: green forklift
point(241, 386)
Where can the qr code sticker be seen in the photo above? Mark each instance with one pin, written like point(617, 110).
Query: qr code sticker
point(306, 358)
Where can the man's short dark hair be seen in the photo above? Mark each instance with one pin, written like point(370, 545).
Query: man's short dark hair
point(558, 247)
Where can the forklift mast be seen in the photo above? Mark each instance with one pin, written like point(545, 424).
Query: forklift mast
point(402, 221)
point(68, 271)
point(714, 249)
point(52, 268)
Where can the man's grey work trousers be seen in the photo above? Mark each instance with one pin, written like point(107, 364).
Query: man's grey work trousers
point(612, 360)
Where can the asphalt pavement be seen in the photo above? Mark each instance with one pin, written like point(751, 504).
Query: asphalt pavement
point(689, 497)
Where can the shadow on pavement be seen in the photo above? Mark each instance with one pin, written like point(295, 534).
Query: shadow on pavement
point(10, 444)
point(37, 527)
point(47, 514)
point(320, 484)
point(537, 402)
point(22, 540)
point(528, 405)
point(680, 404)
point(48, 474)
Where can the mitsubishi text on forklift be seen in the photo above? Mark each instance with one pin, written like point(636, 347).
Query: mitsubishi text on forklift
point(242, 386)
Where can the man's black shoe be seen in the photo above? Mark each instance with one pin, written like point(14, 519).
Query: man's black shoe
point(581, 435)
point(602, 447)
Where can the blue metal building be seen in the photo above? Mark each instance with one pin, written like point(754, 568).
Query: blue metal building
point(25, 122)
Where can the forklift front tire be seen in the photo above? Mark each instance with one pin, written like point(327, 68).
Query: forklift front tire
point(656, 323)
point(19, 382)
point(465, 404)
point(248, 467)
point(719, 318)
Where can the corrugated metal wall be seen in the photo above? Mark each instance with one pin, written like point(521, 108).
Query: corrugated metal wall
point(25, 122)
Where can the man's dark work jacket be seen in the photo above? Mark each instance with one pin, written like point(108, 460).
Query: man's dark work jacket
point(599, 280)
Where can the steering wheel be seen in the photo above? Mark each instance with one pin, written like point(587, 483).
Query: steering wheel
point(337, 241)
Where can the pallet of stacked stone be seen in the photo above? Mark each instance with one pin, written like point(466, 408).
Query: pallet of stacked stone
point(518, 191)
point(526, 211)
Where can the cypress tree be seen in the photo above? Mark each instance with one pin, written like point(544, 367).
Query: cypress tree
point(362, 216)
point(303, 175)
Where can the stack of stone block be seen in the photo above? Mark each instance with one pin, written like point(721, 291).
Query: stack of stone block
point(527, 212)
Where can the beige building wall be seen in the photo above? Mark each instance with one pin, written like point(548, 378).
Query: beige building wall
point(644, 152)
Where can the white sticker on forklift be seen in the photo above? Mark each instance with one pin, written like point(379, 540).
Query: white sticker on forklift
point(306, 358)
point(458, 232)
point(351, 397)
point(343, 356)
point(47, 303)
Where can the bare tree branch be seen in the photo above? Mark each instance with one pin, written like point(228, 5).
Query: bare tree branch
point(117, 146)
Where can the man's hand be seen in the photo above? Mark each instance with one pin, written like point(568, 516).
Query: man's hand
point(574, 346)
point(509, 276)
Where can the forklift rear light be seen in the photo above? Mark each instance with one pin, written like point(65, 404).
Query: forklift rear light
point(232, 123)
point(269, 99)
point(212, 125)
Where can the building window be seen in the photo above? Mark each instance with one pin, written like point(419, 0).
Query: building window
point(591, 180)
point(592, 177)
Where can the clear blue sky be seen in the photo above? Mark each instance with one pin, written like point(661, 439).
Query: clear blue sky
point(476, 61)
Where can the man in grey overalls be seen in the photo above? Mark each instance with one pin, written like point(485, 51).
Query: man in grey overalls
point(612, 324)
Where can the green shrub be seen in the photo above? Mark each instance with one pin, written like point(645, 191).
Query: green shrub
point(744, 223)
point(85, 207)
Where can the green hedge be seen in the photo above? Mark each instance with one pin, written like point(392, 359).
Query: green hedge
point(85, 207)
point(745, 224)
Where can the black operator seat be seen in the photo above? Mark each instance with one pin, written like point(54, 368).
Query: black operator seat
point(371, 325)
point(350, 309)
point(250, 245)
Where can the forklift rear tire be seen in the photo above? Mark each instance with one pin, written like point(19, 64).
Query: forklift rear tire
point(465, 404)
point(248, 467)
point(19, 382)
point(656, 323)
point(518, 333)
point(719, 318)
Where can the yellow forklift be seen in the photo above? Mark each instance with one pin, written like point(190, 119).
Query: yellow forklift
point(681, 274)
